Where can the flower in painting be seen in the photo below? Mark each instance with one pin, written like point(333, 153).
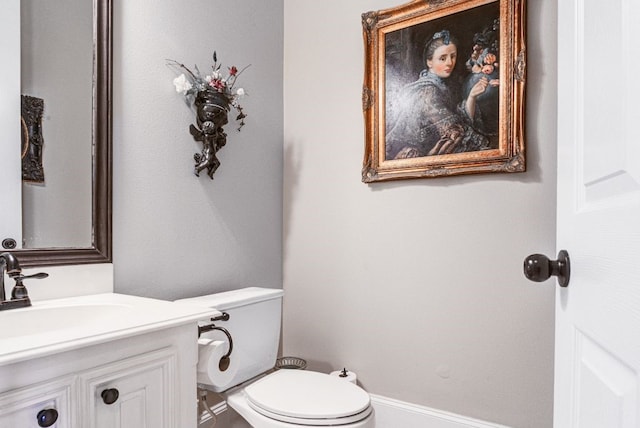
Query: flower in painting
point(233, 71)
point(487, 69)
point(240, 92)
point(490, 58)
point(182, 84)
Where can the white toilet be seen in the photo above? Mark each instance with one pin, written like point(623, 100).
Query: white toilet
point(282, 398)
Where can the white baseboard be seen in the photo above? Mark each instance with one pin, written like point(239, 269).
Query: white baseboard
point(390, 413)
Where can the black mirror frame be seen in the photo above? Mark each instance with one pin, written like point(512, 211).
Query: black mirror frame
point(100, 251)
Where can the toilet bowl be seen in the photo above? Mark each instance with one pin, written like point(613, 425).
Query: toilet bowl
point(266, 398)
point(295, 398)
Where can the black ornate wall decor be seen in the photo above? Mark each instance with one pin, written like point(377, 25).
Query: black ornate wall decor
point(32, 140)
point(212, 95)
point(212, 110)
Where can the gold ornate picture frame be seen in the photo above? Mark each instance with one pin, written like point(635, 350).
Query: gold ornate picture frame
point(444, 89)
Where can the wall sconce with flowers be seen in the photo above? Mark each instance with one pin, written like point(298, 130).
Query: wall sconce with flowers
point(213, 96)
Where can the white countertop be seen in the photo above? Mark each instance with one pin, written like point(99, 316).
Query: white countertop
point(60, 325)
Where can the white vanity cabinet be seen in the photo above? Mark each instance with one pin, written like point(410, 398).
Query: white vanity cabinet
point(49, 401)
point(131, 383)
point(135, 371)
point(137, 392)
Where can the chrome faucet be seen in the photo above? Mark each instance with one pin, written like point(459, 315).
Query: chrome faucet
point(19, 295)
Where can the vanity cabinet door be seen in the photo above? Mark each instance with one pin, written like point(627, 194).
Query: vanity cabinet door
point(48, 404)
point(133, 393)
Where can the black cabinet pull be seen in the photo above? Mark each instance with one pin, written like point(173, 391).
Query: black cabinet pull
point(110, 396)
point(47, 417)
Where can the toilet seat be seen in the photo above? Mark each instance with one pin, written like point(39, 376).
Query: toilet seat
point(308, 398)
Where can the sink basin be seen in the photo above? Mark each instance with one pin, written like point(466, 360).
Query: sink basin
point(62, 325)
point(36, 319)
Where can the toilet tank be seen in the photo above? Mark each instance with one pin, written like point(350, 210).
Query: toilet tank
point(254, 325)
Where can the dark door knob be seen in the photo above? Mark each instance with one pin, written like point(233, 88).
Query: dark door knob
point(538, 268)
point(110, 396)
point(47, 417)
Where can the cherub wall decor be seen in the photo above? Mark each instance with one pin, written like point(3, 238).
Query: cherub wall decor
point(212, 96)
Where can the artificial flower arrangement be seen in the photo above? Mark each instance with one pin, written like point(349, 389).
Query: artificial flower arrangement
point(213, 96)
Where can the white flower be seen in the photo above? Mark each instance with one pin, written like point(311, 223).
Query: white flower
point(182, 84)
point(240, 92)
point(215, 75)
point(208, 79)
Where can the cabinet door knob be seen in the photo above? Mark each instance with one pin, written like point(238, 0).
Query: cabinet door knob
point(47, 417)
point(110, 396)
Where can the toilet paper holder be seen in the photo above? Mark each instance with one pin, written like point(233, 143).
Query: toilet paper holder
point(225, 360)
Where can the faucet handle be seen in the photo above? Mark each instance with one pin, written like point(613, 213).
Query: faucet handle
point(19, 290)
point(39, 275)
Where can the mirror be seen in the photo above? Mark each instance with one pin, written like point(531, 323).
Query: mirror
point(98, 238)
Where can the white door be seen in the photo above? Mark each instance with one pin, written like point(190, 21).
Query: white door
point(597, 358)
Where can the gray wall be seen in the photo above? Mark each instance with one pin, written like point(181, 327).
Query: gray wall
point(176, 235)
point(415, 285)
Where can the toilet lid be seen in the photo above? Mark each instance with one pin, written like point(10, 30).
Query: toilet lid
point(308, 397)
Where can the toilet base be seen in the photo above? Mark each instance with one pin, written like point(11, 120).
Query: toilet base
point(236, 399)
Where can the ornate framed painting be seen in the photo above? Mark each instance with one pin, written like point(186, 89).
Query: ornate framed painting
point(444, 89)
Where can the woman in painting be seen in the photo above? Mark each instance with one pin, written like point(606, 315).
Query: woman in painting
point(431, 119)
